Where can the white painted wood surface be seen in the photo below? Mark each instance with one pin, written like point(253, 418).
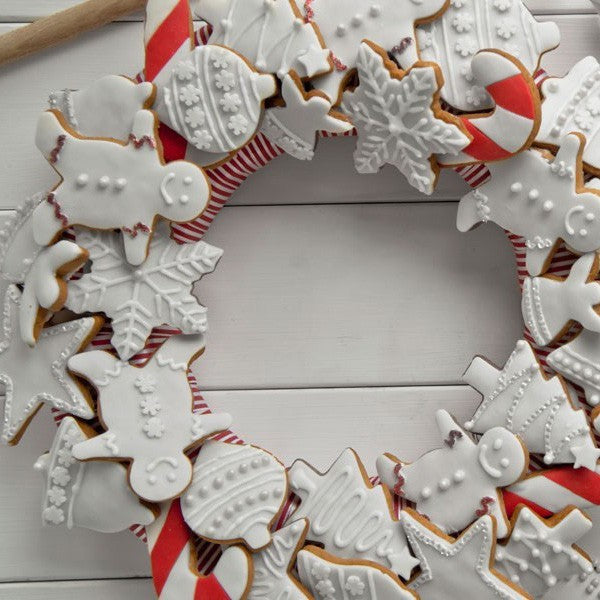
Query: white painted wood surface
point(314, 309)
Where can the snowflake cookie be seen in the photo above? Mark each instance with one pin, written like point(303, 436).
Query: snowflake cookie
point(327, 577)
point(460, 481)
point(399, 120)
point(537, 408)
point(108, 185)
point(93, 495)
point(541, 199)
point(578, 587)
point(150, 424)
point(237, 491)
point(214, 99)
point(51, 384)
point(457, 569)
point(342, 496)
point(139, 298)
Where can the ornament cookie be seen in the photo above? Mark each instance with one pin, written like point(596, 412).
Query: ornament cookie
point(399, 120)
point(45, 380)
point(273, 566)
point(147, 413)
point(107, 185)
point(344, 24)
point(237, 491)
point(535, 407)
point(460, 481)
point(328, 577)
point(469, 26)
point(349, 516)
point(214, 99)
point(294, 127)
point(94, 495)
point(456, 569)
point(106, 108)
point(45, 289)
point(540, 199)
point(540, 552)
point(140, 298)
point(551, 304)
point(271, 34)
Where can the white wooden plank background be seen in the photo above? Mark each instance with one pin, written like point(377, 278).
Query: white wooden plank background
point(315, 310)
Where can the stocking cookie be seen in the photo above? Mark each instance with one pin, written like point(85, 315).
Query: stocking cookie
point(214, 99)
point(349, 516)
point(138, 299)
point(540, 552)
point(399, 120)
point(294, 127)
point(541, 200)
point(536, 408)
point(236, 493)
point(469, 26)
point(327, 576)
point(147, 413)
point(45, 380)
point(45, 289)
point(93, 495)
point(106, 108)
point(460, 481)
point(344, 24)
point(551, 304)
point(273, 566)
point(106, 185)
point(455, 569)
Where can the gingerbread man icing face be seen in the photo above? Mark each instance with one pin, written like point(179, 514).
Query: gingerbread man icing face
point(497, 449)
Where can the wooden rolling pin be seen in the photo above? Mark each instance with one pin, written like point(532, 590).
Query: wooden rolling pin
point(63, 26)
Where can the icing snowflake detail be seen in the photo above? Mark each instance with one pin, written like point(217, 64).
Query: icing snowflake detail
point(593, 106)
point(476, 95)
point(150, 406)
point(195, 116)
point(154, 428)
point(189, 95)
point(60, 476)
point(320, 571)
point(466, 47)
point(201, 139)
point(325, 588)
point(506, 30)
point(584, 120)
point(185, 70)
point(65, 458)
point(230, 102)
point(71, 438)
point(467, 73)
point(462, 22)
point(238, 124)
point(220, 61)
point(502, 5)
point(57, 496)
point(457, 3)
point(53, 514)
point(146, 383)
point(355, 586)
point(224, 80)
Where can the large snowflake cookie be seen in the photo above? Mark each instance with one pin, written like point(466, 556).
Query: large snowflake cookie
point(455, 484)
point(139, 298)
point(108, 185)
point(94, 495)
point(236, 493)
point(214, 99)
point(399, 120)
point(147, 413)
point(469, 26)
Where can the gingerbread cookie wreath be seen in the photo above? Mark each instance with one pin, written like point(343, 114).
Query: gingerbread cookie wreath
point(144, 165)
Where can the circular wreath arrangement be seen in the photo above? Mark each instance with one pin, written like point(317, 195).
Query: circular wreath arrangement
point(145, 165)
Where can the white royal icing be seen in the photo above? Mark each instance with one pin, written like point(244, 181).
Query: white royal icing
point(350, 517)
point(458, 482)
point(106, 185)
point(469, 26)
point(578, 587)
point(148, 421)
point(236, 492)
point(538, 199)
point(396, 121)
point(140, 298)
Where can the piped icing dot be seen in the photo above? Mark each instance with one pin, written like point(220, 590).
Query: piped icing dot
point(516, 187)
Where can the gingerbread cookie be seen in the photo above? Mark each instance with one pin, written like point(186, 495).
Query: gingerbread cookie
point(537, 408)
point(45, 378)
point(93, 495)
point(469, 26)
point(107, 185)
point(460, 481)
point(399, 120)
point(147, 413)
point(236, 493)
point(456, 569)
point(349, 516)
point(577, 587)
point(328, 577)
point(140, 298)
point(543, 200)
